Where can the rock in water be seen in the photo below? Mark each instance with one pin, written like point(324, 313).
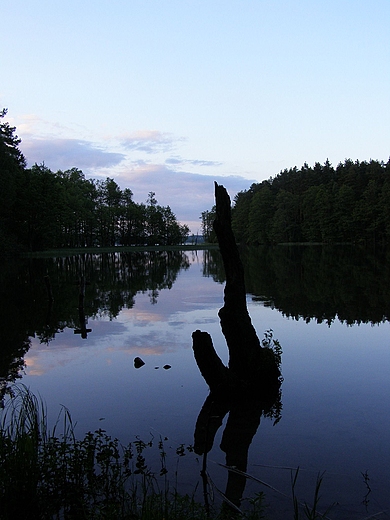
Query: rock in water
point(138, 363)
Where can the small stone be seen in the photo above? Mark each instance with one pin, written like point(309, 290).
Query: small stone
point(138, 363)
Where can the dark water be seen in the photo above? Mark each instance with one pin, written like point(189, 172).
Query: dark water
point(329, 308)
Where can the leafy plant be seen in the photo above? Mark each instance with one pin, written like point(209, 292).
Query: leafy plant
point(269, 342)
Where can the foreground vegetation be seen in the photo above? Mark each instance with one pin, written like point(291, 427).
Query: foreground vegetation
point(51, 474)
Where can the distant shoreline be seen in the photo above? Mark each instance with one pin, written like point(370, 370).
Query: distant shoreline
point(115, 249)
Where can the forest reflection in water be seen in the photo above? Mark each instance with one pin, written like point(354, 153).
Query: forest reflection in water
point(316, 282)
point(148, 304)
point(42, 297)
point(321, 282)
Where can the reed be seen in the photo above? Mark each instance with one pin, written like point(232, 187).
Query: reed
point(46, 474)
point(310, 512)
point(50, 474)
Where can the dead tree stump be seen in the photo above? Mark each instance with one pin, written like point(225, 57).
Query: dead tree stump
point(250, 385)
point(250, 365)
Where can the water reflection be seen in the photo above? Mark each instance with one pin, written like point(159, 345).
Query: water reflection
point(82, 330)
point(245, 410)
point(42, 297)
point(333, 417)
point(318, 283)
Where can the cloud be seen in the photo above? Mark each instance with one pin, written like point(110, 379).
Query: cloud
point(149, 141)
point(62, 154)
point(193, 162)
point(188, 194)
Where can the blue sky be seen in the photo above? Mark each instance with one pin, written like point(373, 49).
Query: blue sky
point(168, 96)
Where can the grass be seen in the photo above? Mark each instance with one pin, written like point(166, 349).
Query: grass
point(311, 512)
point(53, 475)
point(49, 475)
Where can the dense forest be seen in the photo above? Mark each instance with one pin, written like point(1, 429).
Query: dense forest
point(349, 203)
point(41, 209)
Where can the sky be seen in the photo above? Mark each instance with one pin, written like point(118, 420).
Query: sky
point(172, 95)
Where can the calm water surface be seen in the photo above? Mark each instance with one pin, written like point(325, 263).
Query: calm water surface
point(336, 388)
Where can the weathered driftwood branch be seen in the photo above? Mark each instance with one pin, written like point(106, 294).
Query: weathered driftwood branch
point(249, 363)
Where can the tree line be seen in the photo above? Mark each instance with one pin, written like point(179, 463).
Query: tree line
point(41, 209)
point(349, 203)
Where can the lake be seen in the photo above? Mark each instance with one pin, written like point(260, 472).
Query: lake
point(329, 307)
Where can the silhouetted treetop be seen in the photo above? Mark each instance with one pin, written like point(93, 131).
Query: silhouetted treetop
point(41, 209)
point(348, 203)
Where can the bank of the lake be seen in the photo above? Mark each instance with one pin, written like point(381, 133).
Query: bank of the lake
point(54, 253)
